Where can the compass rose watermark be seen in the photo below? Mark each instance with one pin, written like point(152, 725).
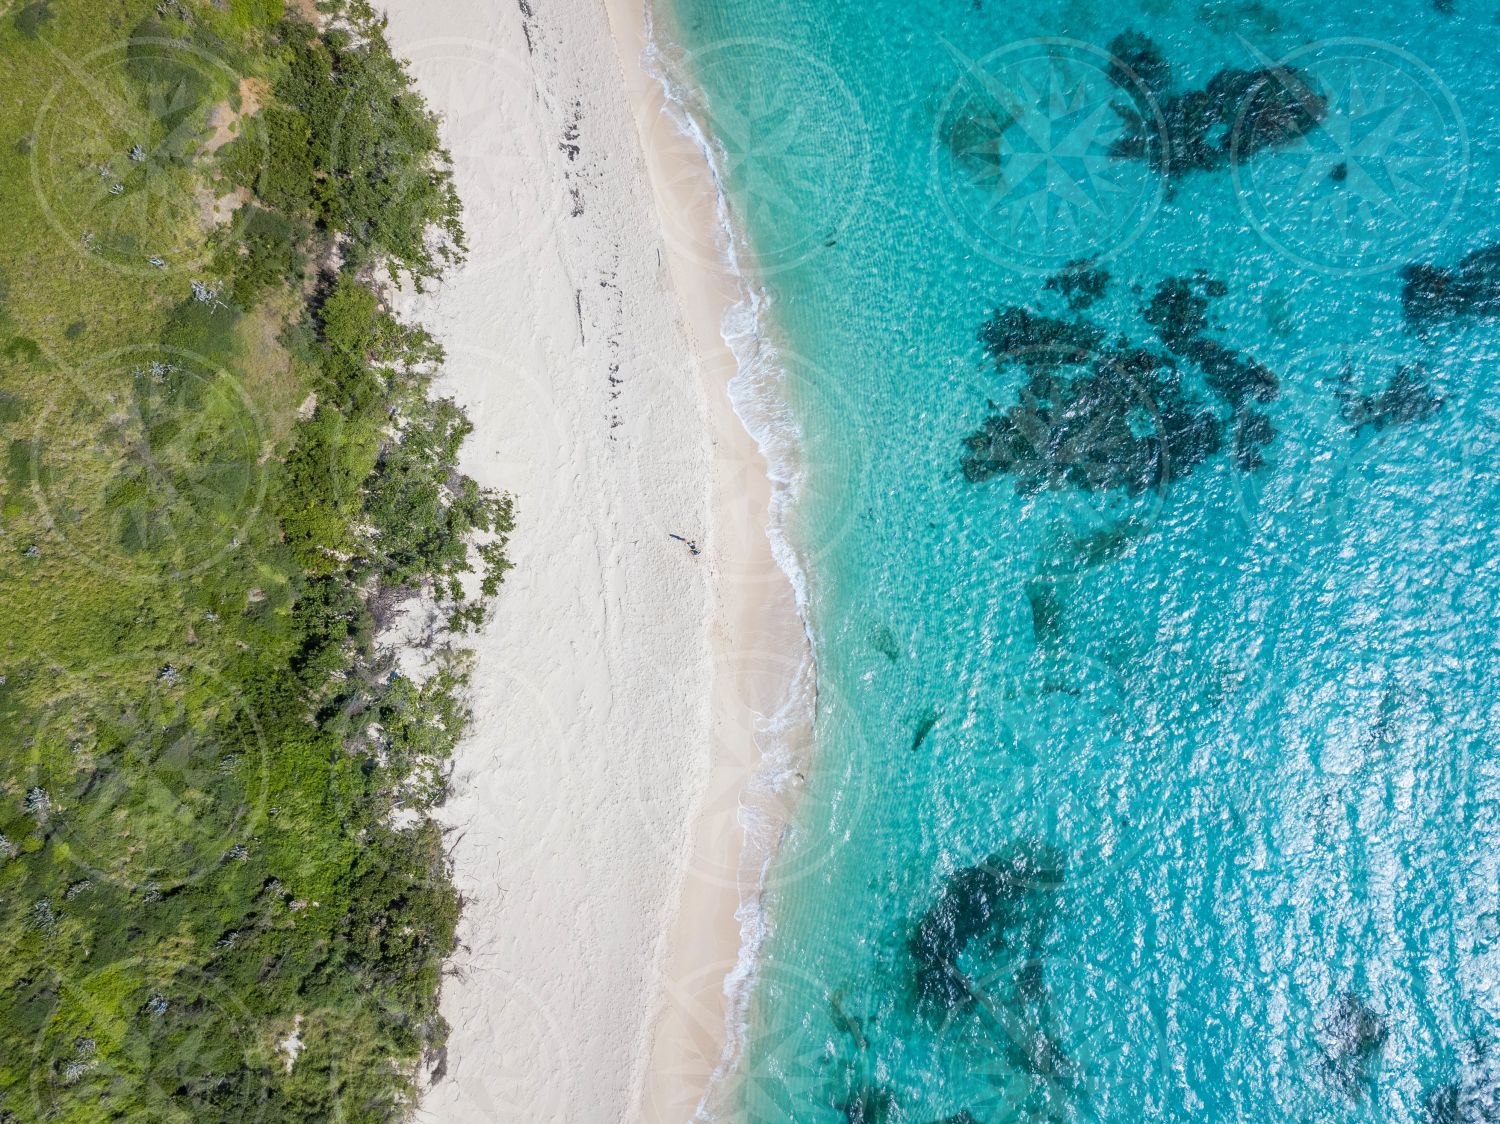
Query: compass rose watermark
point(1023, 155)
point(1381, 175)
point(173, 474)
point(797, 146)
point(155, 1049)
point(113, 180)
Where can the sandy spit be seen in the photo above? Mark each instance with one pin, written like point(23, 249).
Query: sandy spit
point(623, 688)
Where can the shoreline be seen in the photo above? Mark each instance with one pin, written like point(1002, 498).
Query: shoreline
point(598, 845)
point(762, 655)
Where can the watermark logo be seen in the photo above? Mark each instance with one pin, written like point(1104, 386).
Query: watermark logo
point(794, 154)
point(150, 461)
point(116, 147)
point(1024, 156)
point(154, 773)
point(1377, 180)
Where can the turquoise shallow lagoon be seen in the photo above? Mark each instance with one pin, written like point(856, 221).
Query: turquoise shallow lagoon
point(1155, 772)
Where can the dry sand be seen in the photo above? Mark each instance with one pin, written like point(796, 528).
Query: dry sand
point(622, 685)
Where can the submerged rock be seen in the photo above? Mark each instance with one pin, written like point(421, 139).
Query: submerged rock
point(870, 1104)
point(1124, 422)
point(1237, 378)
point(1352, 1035)
point(1005, 904)
point(1178, 311)
point(1404, 399)
point(1017, 335)
point(1036, 1047)
point(1080, 283)
point(1238, 114)
point(924, 727)
point(1136, 59)
point(884, 641)
point(1046, 609)
point(844, 1022)
point(1473, 1099)
point(1107, 543)
point(1432, 295)
point(1237, 19)
point(1253, 433)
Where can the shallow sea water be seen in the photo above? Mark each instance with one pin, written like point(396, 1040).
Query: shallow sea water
point(1216, 747)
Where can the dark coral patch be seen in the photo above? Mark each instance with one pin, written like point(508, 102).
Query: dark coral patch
point(1253, 434)
point(1238, 114)
point(1081, 283)
point(1404, 399)
point(1352, 1035)
point(1123, 422)
point(1178, 310)
point(1036, 342)
point(1433, 294)
point(1046, 609)
point(1004, 904)
point(1136, 60)
point(1473, 1097)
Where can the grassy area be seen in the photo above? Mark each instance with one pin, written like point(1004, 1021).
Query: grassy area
point(221, 459)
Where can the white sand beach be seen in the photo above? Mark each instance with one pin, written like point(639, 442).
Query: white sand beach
point(596, 805)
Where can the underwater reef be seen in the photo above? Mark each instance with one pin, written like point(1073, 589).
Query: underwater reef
point(1433, 295)
point(1003, 905)
point(1405, 399)
point(1178, 311)
point(1080, 283)
point(1238, 114)
point(870, 1104)
point(1474, 1097)
point(979, 968)
point(1352, 1036)
point(1098, 416)
point(1123, 420)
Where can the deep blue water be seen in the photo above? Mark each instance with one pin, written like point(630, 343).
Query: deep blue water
point(1155, 774)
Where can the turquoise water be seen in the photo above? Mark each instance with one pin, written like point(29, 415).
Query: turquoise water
point(1155, 773)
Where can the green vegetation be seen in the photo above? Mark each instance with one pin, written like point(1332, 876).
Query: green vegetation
point(222, 467)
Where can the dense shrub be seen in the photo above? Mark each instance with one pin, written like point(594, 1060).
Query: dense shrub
point(199, 763)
